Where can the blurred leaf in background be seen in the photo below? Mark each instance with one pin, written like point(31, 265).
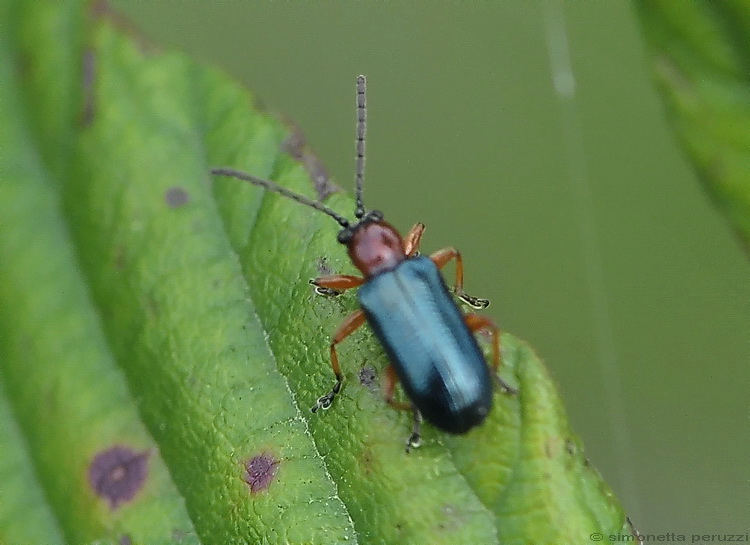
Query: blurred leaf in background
point(701, 61)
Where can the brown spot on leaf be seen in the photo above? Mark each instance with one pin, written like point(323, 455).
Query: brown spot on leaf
point(179, 535)
point(260, 472)
point(119, 259)
point(323, 268)
point(296, 146)
point(101, 9)
point(552, 447)
point(24, 64)
point(367, 462)
point(151, 306)
point(175, 197)
point(118, 473)
point(670, 72)
point(125, 539)
point(368, 377)
point(88, 75)
point(295, 143)
point(320, 177)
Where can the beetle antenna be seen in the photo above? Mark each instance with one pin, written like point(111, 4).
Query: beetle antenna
point(360, 144)
point(276, 188)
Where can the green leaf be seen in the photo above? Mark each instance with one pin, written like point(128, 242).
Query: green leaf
point(24, 515)
point(701, 61)
point(157, 330)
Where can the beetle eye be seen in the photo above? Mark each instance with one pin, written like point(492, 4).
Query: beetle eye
point(345, 236)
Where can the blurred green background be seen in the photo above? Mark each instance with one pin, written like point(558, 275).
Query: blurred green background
point(580, 218)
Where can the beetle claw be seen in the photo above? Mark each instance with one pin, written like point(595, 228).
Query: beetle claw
point(414, 441)
point(474, 302)
point(324, 402)
point(325, 292)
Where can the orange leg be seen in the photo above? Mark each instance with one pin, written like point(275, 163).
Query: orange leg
point(415, 439)
point(336, 283)
point(389, 389)
point(412, 239)
point(349, 326)
point(441, 257)
point(476, 322)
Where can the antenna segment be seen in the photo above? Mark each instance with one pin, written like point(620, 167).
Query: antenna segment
point(317, 205)
point(271, 186)
point(359, 179)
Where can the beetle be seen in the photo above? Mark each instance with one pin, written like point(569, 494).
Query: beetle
point(404, 299)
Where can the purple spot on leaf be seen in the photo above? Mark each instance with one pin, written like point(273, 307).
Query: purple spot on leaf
point(367, 377)
point(260, 471)
point(176, 197)
point(89, 74)
point(118, 473)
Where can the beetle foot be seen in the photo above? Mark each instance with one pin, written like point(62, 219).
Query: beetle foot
point(325, 292)
point(474, 302)
point(324, 402)
point(415, 439)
